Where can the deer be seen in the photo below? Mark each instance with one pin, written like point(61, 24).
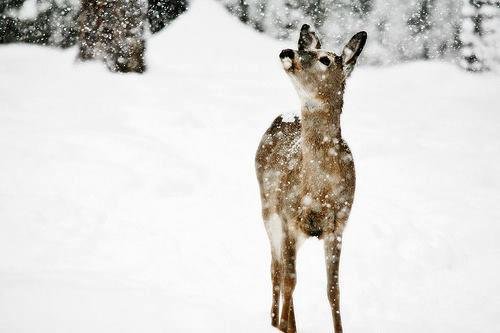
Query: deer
point(305, 171)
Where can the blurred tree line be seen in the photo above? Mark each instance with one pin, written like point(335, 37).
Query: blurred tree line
point(111, 30)
point(463, 31)
point(42, 22)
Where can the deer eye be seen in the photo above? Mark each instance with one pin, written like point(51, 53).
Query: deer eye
point(325, 61)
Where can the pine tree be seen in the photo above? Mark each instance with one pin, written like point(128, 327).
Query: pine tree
point(52, 23)
point(420, 24)
point(398, 30)
point(315, 10)
point(55, 22)
point(361, 7)
point(343, 19)
point(63, 29)
point(480, 35)
point(161, 12)
point(284, 17)
point(239, 8)
point(491, 26)
point(387, 32)
point(257, 14)
point(401, 31)
point(444, 36)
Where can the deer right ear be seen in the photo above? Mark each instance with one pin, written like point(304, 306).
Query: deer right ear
point(308, 39)
point(352, 51)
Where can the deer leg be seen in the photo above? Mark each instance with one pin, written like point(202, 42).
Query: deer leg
point(291, 318)
point(288, 252)
point(274, 230)
point(333, 244)
point(276, 280)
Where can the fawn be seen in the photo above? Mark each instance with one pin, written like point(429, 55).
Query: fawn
point(306, 171)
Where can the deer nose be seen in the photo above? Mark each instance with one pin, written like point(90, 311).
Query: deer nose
point(288, 53)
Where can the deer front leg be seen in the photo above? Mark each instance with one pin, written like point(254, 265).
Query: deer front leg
point(291, 318)
point(333, 244)
point(288, 252)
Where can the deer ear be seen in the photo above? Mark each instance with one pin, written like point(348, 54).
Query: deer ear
point(308, 39)
point(352, 50)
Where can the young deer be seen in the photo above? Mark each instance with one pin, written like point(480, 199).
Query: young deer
point(306, 171)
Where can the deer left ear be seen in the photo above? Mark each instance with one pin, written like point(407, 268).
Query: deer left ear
point(352, 51)
point(308, 39)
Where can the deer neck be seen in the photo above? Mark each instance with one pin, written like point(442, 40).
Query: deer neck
point(320, 123)
point(320, 131)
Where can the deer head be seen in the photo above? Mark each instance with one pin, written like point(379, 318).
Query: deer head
point(319, 75)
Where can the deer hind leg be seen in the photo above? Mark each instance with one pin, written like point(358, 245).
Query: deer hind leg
point(333, 244)
point(276, 270)
point(288, 253)
point(274, 232)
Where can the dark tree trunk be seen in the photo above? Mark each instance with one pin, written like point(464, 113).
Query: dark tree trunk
point(113, 31)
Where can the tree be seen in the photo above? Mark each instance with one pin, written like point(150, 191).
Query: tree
point(492, 25)
point(239, 8)
point(480, 35)
point(257, 14)
point(283, 18)
point(398, 30)
point(113, 31)
point(161, 12)
point(52, 22)
point(316, 11)
point(344, 18)
point(444, 35)
point(420, 24)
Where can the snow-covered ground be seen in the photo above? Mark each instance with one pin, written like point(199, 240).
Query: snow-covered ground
point(129, 203)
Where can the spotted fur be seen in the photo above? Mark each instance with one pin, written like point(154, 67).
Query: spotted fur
point(306, 171)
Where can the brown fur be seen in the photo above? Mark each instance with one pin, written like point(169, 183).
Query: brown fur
point(306, 176)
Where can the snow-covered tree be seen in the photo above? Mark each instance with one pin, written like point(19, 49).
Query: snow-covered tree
point(420, 24)
point(257, 14)
point(401, 31)
point(54, 22)
point(114, 32)
point(473, 51)
point(480, 34)
point(111, 30)
point(46, 22)
point(285, 18)
point(317, 11)
point(492, 27)
point(444, 37)
point(62, 23)
point(251, 12)
point(343, 19)
point(161, 12)
point(398, 30)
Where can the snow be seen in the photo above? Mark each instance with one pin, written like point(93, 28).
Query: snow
point(128, 203)
point(29, 10)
